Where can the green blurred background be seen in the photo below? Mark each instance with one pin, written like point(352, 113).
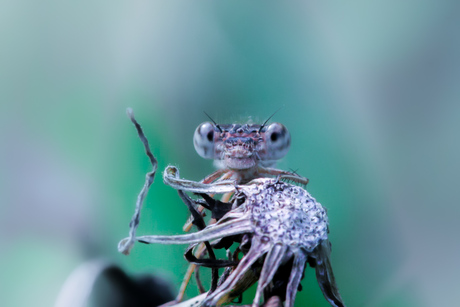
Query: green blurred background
point(370, 91)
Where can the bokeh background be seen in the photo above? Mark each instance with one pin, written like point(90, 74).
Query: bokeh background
point(370, 91)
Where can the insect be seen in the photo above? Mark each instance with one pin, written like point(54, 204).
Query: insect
point(244, 152)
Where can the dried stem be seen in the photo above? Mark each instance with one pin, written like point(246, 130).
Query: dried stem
point(126, 246)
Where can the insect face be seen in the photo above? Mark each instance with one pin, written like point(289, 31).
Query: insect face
point(242, 147)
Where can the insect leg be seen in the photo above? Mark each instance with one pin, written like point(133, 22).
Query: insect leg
point(199, 284)
point(226, 175)
point(214, 176)
point(199, 222)
point(284, 174)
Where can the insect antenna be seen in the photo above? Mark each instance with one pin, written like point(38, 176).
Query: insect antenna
point(263, 125)
point(217, 125)
point(294, 171)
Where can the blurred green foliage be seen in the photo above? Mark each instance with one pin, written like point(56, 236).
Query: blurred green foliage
point(370, 95)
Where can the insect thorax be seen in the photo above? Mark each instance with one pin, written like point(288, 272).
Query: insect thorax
point(287, 214)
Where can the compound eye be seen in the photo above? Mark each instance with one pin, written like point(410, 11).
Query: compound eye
point(278, 141)
point(203, 140)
